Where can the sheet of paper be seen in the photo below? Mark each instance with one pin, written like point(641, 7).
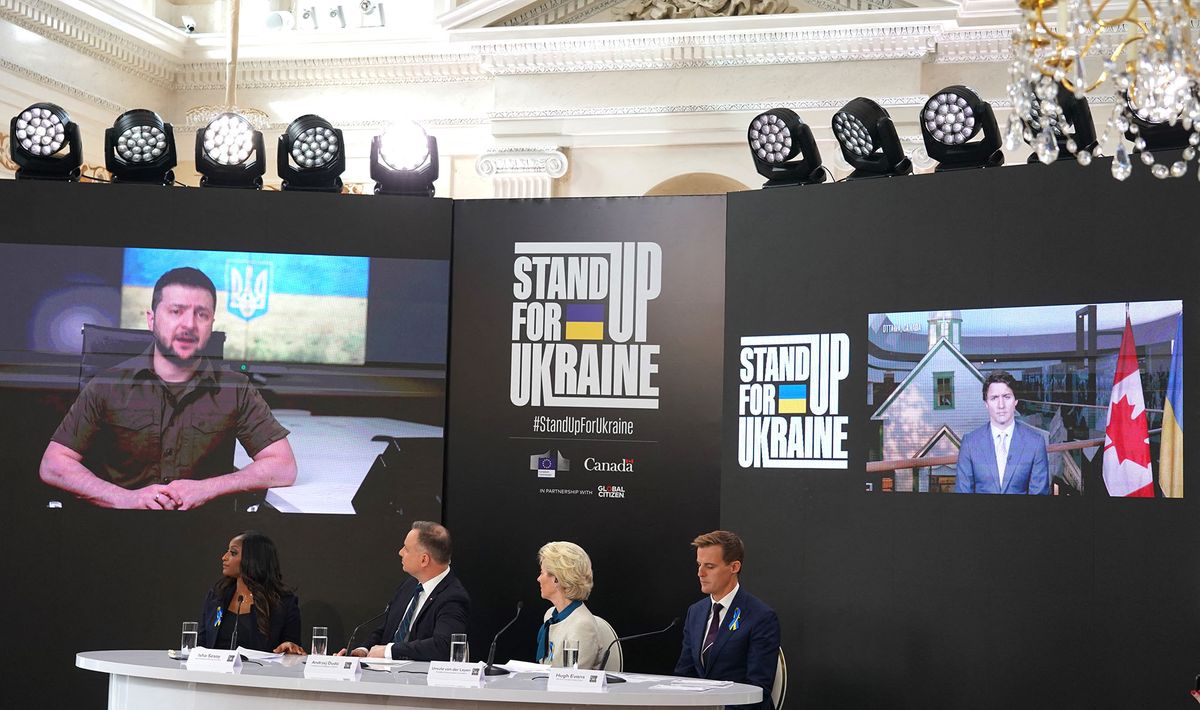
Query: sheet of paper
point(523, 667)
point(259, 655)
point(676, 688)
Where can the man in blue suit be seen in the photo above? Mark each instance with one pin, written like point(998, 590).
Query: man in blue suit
point(1004, 455)
point(730, 634)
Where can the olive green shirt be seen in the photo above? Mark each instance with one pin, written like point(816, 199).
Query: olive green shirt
point(132, 431)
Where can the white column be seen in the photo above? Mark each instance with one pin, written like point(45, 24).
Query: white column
point(522, 172)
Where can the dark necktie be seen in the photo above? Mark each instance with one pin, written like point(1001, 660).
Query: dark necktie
point(409, 613)
point(711, 637)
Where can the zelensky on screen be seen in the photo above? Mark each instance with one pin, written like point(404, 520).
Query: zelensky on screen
point(580, 324)
point(788, 401)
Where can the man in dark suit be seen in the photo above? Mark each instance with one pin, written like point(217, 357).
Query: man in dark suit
point(730, 634)
point(428, 607)
point(1004, 455)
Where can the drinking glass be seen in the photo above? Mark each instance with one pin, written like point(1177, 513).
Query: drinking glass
point(188, 637)
point(570, 653)
point(458, 648)
point(320, 640)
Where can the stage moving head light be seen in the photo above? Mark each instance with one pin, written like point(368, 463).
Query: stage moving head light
point(38, 136)
point(868, 140)
point(404, 161)
point(1059, 126)
point(776, 137)
point(950, 119)
point(229, 153)
point(140, 147)
point(311, 156)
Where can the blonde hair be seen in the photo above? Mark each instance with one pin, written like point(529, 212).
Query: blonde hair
point(570, 565)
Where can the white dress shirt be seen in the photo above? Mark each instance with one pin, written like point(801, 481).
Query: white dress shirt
point(1002, 453)
point(426, 589)
point(725, 602)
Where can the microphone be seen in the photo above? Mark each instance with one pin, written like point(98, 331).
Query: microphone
point(349, 641)
point(604, 659)
point(491, 668)
point(237, 616)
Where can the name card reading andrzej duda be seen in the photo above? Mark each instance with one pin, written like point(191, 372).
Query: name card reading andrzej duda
point(332, 667)
point(579, 681)
point(213, 660)
point(455, 675)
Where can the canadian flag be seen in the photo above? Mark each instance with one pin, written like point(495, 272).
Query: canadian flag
point(1126, 439)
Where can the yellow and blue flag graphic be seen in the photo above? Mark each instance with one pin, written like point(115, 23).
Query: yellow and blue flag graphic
point(1170, 460)
point(793, 399)
point(585, 321)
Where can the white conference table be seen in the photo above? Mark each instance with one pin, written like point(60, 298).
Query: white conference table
point(139, 680)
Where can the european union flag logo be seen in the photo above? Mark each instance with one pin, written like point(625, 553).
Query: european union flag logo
point(793, 399)
point(585, 321)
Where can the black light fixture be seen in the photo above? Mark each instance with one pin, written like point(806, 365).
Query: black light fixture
point(404, 161)
point(39, 135)
point(1153, 130)
point(311, 156)
point(229, 153)
point(868, 140)
point(1059, 129)
point(140, 148)
point(776, 137)
point(950, 119)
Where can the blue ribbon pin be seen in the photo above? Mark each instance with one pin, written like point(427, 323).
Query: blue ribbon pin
point(218, 621)
point(737, 617)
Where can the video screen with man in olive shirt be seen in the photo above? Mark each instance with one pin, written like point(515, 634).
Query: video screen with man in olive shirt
point(255, 381)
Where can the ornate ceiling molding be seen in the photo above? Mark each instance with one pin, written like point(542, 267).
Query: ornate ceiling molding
point(75, 92)
point(988, 45)
point(664, 109)
point(357, 71)
point(716, 49)
point(611, 47)
point(79, 33)
point(561, 12)
point(376, 126)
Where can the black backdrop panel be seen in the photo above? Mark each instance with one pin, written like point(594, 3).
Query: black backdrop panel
point(943, 601)
point(499, 508)
point(81, 578)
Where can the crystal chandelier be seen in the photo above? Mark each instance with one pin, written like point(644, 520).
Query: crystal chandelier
point(1148, 56)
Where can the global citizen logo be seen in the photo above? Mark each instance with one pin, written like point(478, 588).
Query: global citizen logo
point(789, 403)
point(622, 466)
point(548, 463)
point(579, 324)
point(610, 491)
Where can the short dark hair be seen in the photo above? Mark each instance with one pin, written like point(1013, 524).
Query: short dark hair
point(182, 276)
point(999, 377)
point(435, 539)
point(732, 549)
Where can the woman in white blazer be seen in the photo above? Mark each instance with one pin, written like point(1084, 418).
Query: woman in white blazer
point(566, 582)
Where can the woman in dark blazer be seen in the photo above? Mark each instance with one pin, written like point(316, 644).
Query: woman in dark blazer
point(251, 598)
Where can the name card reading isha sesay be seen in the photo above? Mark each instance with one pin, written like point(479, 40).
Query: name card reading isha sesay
point(332, 668)
point(455, 675)
point(572, 679)
point(208, 659)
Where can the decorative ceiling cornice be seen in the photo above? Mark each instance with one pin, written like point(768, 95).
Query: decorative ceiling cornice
point(75, 92)
point(666, 109)
point(714, 49)
point(555, 12)
point(86, 37)
point(517, 51)
point(352, 71)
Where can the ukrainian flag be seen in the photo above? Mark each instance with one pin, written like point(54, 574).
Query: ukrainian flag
point(585, 321)
point(793, 399)
point(1170, 459)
